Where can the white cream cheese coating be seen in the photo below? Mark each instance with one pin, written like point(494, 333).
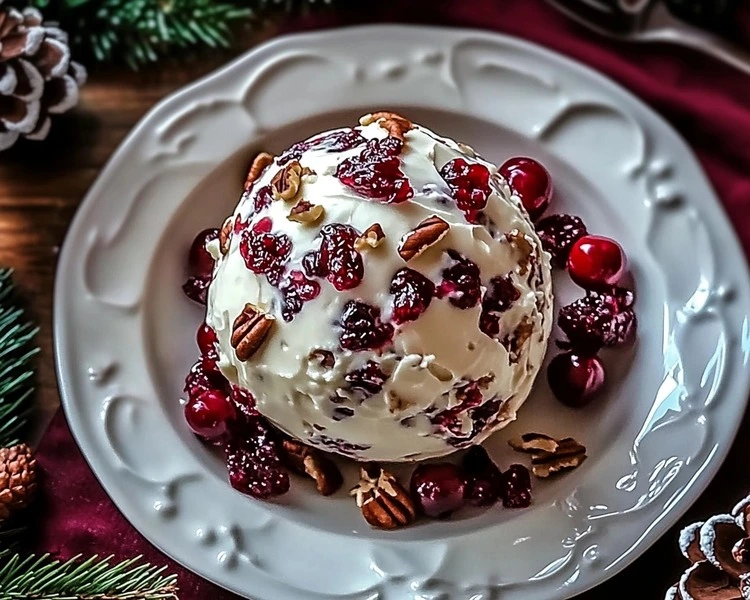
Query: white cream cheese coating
point(422, 409)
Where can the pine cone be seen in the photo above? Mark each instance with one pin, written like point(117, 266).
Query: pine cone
point(17, 479)
point(719, 551)
point(37, 77)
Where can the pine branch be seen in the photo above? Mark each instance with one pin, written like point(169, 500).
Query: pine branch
point(42, 578)
point(16, 370)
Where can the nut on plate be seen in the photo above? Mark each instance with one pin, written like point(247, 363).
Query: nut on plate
point(384, 502)
point(393, 123)
point(249, 330)
point(308, 461)
point(549, 455)
point(261, 161)
point(427, 233)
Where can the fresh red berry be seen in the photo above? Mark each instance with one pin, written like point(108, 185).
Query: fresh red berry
point(558, 233)
point(208, 414)
point(200, 262)
point(196, 289)
point(531, 182)
point(517, 487)
point(596, 262)
point(200, 380)
point(484, 481)
point(575, 379)
point(412, 294)
point(206, 339)
point(438, 489)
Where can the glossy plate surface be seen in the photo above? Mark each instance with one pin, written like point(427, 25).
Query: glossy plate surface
point(124, 332)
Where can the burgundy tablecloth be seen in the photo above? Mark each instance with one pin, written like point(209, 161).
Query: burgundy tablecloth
point(705, 101)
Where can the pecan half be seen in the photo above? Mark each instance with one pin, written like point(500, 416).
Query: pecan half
point(249, 330)
point(259, 165)
point(306, 213)
point(308, 461)
point(428, 233)
point(287, 183)
point(372, 237)
point(384, 502)
point(567, 454)
point(225, 235)
point(393, 123)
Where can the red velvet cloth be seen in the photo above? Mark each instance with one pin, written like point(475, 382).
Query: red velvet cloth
point(705, 101)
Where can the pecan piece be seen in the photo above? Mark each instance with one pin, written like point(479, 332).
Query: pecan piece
point(393, 123)
point(531, 443)
point(324, 357)
point(250, 330)
point(259, 165)
point(225, 235)
point(306, 213)
point(523, 245)
point(287, 183)
point(428, 233)
point(384, 502)
point(568, 454)
point(308, 461)
point(372, 237)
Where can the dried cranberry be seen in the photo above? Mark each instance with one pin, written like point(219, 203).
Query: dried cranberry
point(296, 290)
point(338, 141)
point(208, 414)
point(253, 461)
point(337, 260)
point(469, 184)
point(412, 293)
point(499, 297)
point(558, 233)
point(197, 289)
point(516, 491)
point(461, 282)
point(368, 380)
point(206, 339)
point(200, 262)
point(575, 379)
point(531, 182)
point(438, 489)
point(265, 253)
point(599, 319)
point(362, 328)
point(484, 481)
point(312, 266)
point(376, 172)
point(263, 198)
point(596, 262)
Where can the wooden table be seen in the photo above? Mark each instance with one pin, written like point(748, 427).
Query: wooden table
point(42, 184)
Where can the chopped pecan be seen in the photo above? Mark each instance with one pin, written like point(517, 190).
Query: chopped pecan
point(250, 330)
point(313, 463)
point(324, 357)
point(525, 248)
point(426, 234)
point(741, 551)
point(384, 502)
point(259, 165)
point(567, 454)
point(531, 443)
point(372, 237)
point(393, 123)
point(225, 235)
point(287, 183)
point(306, 213)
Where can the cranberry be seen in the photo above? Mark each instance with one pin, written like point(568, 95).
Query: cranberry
point(469, 184)
point(438, 489)
point(208, 414)
point(483, 478)
point(596, 262)
point(265, 253)
point(461, 282)
point(196, 289)
point(412, 293)
point(500, 295)
point(516, 487)
point(531, 182)
point(599, 319)
point(575, 379)
point(337, 259)
point(206, 339)
point(244, 402)
point(362, 328)
point(200, 380)
point(253, 461)
point(376, 172)
point(558, 233)
point(338, 141)
point(368, 380)
point(263, 198)
point(201, 263)
point(297, 289)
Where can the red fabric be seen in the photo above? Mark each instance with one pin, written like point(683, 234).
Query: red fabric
point(704, 100)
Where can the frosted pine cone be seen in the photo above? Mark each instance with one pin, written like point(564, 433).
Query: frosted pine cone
point(719, 551)
point(37, 77)
point(17, 479)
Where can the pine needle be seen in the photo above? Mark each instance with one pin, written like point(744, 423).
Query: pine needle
point(42, 578)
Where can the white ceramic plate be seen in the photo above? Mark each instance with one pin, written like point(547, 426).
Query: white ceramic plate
point(124, 332)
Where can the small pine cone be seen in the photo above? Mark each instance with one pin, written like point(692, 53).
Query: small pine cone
point(37, 77)
point(17, 479)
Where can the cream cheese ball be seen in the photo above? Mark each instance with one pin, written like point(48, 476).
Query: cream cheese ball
point(381, 293)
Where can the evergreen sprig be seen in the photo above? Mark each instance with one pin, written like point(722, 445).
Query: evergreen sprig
point(43, 578)
point(16, 369)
